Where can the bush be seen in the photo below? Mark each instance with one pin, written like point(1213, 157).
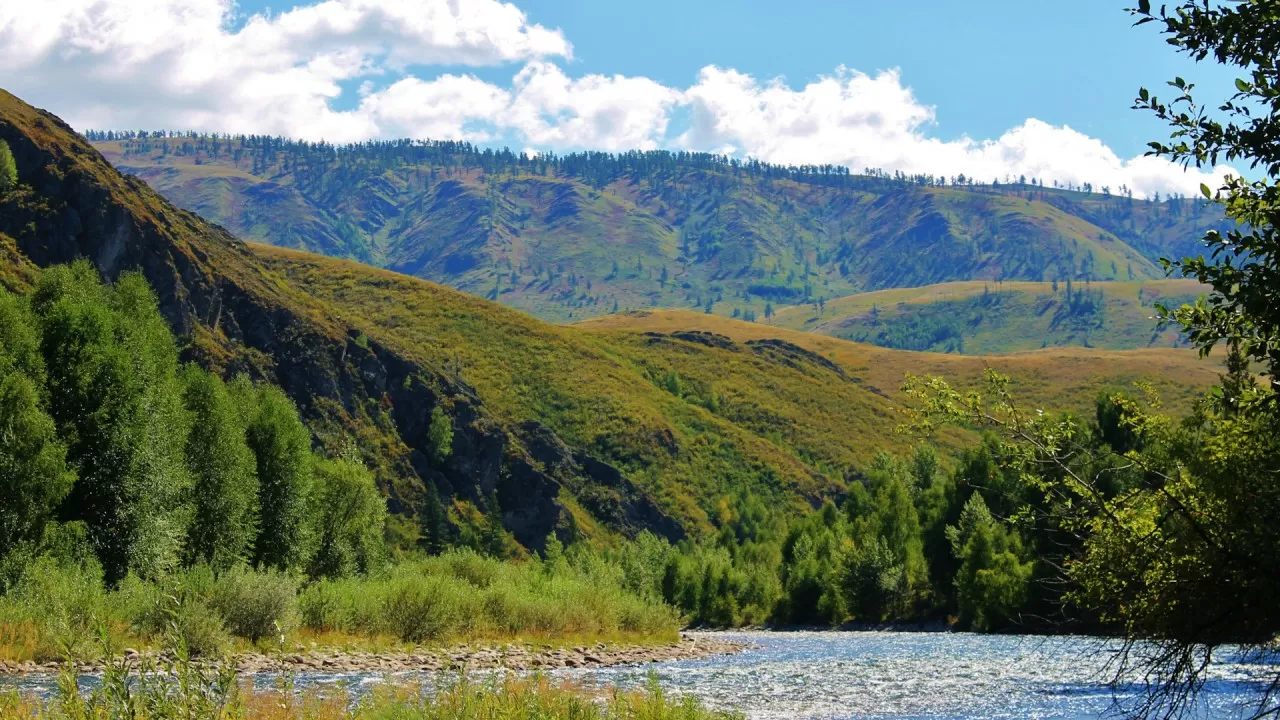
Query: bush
point(65, 604)
point(176, 611)
point(419, 609)
point(256, 604)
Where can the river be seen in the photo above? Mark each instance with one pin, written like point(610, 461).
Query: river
point(943, 676)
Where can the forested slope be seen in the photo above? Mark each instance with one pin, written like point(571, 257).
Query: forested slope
point(579, 236)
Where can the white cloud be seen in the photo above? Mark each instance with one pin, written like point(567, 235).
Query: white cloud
point(608, 113)
point(346, 70)
point(862, 121)
point(179, 63)
point(441, 109)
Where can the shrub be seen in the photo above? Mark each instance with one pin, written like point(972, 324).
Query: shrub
point(256, 604)
point(425, 608)
point(176, 611)
point(65, 603)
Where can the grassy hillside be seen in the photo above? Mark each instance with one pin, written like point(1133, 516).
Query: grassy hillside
point(985, 317)
point(1053, 378)
point(580, 236)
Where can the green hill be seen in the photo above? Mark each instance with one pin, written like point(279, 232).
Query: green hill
point(578, 236)
point(985, 317)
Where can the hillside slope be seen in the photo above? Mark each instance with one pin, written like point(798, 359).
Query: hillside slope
point(580, 236)
point(983, 317)
point(1066, 378)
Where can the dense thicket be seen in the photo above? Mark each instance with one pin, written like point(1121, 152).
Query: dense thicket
point(912, 541)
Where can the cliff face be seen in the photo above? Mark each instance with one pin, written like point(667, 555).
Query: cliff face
point(241, 318)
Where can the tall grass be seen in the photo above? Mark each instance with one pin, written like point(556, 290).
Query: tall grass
point(56, 610)
point(464, 595)
point(182, 690)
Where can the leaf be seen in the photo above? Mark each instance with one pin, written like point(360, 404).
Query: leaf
point(1242, 86)
point(1204, 189)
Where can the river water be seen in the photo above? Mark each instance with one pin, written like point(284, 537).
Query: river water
point(944, 676)
point(844, 675)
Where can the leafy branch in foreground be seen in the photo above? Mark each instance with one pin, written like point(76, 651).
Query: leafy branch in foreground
point(1243, 267)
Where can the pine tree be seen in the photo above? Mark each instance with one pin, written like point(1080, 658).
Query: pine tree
point(1238, 380)
point(432, 536)
point(495, 537)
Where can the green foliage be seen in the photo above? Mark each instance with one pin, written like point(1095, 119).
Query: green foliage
point(8, 168)
point(224, 523)
point(111, 366)
point(704, 227)
point(440, 436)
point(256, 604)
point(1243, 260)
point(1165, 534)
point(34, 477)
point(977, 319)
point(432, 530)
point(281, 448)
point(351, 517)
point(991, 585)
point(460, 594)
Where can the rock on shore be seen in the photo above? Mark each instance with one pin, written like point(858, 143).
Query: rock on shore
point(524, 656)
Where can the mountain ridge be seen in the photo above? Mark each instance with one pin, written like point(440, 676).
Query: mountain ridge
point(582, 235)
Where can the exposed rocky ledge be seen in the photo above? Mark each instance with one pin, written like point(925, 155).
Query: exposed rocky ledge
point(512, 657)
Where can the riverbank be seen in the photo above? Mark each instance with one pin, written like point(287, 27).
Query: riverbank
point(518, 657)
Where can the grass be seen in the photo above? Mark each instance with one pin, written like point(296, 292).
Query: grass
point(986, 317)
point(789, 422)
point(179, 689)
point(57, 611)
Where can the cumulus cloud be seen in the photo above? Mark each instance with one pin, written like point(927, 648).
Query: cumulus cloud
point(596, 111)
point(180, 63)
point(862, 121)
point(347, 70)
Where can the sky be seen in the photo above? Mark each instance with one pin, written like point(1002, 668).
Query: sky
point(987, 88)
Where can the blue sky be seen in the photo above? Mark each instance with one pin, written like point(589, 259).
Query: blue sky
point(988, 88)
point(986, 65)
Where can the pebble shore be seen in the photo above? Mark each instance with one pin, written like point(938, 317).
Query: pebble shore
point(524, 657)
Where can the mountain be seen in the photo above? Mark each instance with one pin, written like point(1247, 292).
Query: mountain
point(578, 236)
point(985, 317)
point(591, 430)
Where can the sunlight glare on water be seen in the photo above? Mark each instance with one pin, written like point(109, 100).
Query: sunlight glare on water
point(947, 676)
